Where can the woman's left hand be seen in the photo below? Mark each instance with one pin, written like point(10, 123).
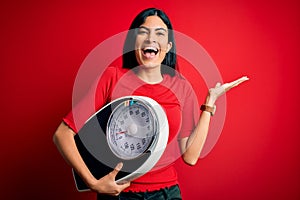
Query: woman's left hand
point(219, 90)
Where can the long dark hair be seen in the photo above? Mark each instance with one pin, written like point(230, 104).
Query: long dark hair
point(169, 64)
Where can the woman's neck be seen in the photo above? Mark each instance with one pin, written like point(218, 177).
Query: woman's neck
point(150, 76)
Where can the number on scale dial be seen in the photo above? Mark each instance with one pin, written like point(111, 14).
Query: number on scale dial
point(131, 129)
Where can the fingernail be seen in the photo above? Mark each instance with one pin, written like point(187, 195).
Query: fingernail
point(119, 166)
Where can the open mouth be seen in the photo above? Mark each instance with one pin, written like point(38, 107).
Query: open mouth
point(150, 52)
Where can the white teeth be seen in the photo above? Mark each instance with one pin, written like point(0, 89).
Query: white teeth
point(150, 48)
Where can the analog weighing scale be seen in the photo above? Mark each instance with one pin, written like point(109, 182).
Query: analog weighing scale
point(133, 130)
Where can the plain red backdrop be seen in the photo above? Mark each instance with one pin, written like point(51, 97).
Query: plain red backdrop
point(43, 45)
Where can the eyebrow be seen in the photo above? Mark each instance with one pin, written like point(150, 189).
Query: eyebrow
point(156, 29)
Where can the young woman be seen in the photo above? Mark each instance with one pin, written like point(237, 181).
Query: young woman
point(149, 69)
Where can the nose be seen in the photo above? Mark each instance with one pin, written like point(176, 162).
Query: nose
point(151, 37)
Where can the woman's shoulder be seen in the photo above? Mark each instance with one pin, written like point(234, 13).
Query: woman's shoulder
point(178, 80)
point(114, 71)
point(180, 84)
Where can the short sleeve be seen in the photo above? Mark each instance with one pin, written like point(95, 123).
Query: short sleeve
point(98, 95)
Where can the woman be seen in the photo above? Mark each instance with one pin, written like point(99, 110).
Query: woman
point(149, 69)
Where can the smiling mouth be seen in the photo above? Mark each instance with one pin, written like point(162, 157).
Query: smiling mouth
point(149, 52)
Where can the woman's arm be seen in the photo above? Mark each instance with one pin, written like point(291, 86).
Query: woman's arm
point(191, 146)
point(64, 140)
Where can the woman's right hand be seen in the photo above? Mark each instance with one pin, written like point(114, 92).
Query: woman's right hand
point(107, 184)
point(64, 141)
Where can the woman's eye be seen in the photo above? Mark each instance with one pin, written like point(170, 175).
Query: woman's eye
point(142, 32)
point(160, 33)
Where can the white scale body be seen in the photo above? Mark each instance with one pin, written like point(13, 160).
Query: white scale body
point(133, 130)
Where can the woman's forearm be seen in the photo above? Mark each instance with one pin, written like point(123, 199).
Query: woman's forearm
point(64, 141)
point(193, 145)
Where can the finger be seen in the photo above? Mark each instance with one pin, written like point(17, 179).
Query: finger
point(124, 185)
point(218, 85)
point(117, 169)
point(238, 81)
point(228, 86)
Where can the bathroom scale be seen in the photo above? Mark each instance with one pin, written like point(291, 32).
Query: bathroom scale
point(132, 129)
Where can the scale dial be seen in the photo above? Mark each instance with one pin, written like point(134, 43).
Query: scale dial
point(131, 129)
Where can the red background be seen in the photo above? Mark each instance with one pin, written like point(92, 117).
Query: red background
point(44, 44)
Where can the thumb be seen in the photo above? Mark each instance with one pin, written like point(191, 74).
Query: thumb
point(218, 85)
point(117, 169)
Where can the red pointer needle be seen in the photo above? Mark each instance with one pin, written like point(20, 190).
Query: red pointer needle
point(121, 132)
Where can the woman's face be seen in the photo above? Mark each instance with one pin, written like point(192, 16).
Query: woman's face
point(152, 42)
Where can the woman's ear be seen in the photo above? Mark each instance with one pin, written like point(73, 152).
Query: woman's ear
point(169, 46)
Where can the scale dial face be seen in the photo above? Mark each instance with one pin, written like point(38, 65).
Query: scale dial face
point(131, 129)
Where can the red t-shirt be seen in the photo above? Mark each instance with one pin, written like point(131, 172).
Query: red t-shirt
point(174, 94)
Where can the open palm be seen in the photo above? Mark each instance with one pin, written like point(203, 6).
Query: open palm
point(219, 89)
